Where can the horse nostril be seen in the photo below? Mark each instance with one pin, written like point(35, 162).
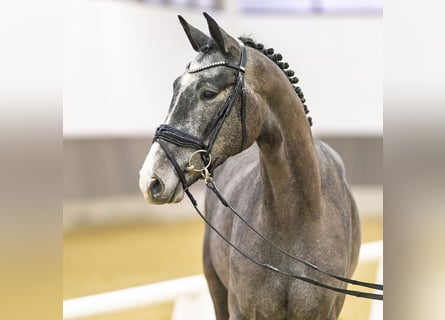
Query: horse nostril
point(155, 187)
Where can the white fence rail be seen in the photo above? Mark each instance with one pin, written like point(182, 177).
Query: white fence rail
point(190, 295)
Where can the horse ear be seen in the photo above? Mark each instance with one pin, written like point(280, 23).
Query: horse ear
point(196, 37)
point(225, 41)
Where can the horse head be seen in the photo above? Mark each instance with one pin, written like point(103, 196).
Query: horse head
point(211, 110)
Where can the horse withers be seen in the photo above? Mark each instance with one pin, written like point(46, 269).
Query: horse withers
point(238, 119)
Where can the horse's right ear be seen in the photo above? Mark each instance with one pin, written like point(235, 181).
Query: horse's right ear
point(196, 37)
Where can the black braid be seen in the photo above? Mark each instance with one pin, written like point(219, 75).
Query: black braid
point(277, 57)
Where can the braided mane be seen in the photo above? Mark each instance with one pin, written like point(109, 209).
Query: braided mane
point(284, 66)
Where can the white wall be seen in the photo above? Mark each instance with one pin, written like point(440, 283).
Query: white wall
point(121, 58)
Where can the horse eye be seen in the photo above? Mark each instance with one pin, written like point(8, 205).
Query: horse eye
point(209, 95)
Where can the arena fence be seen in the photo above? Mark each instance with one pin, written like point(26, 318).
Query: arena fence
point(190, 295)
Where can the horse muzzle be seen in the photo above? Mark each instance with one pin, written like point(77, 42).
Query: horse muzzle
point(157, 179)
point(156, 193)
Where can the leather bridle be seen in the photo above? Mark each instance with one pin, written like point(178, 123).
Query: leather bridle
point(168, 134)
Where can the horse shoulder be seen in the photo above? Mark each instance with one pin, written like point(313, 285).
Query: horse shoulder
point(338, 197)
point(328, 159)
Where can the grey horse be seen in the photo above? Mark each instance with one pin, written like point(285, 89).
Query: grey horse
point(268, 165)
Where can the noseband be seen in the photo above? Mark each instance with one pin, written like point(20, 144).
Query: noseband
point(165, 133)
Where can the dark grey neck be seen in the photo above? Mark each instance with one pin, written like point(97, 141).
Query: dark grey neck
point(284, 66)
point(289, 165)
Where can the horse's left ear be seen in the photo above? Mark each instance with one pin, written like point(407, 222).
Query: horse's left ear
point(225, 41)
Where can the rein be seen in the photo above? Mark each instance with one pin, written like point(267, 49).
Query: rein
point(165, 133)
point(374, 296)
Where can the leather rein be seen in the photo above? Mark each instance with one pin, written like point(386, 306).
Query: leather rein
point(168, 134)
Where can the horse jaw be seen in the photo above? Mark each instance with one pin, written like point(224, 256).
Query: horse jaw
point(157, 179)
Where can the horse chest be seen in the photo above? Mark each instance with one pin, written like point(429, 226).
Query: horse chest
point(256, 292)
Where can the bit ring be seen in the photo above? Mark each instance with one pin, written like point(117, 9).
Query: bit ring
point(191, 167)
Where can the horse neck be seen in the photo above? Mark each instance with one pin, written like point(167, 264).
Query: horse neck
point(289, 166)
